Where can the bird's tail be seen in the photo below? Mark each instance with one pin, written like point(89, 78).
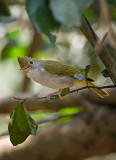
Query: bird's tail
point(102, 93)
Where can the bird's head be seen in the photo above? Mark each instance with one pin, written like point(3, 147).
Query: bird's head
point(26, 63)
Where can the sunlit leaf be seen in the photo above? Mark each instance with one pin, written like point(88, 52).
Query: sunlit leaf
point(41, 115)
point(70, 110)
point(65, 119)
point(114, 13)
point(15, 34)
point(13, 52)
point(21, 125)
point(89, 15)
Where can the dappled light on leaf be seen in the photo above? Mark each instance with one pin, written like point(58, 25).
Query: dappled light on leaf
point(65, 119)
point(70, 110)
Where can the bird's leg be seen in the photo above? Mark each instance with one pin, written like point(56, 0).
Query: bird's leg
point(58, 92)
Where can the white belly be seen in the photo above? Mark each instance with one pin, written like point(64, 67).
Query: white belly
point(51, 81)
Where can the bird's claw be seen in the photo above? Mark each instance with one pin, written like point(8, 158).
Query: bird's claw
point(49, 95)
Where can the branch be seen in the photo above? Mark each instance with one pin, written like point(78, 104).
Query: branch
point(104, 55)
point(34, 104)
point(85, 87)
point(76, 90)
point(41, 103)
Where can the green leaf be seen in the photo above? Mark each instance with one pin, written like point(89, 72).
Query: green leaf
point(14, 35)
point(12, 52)
point(21, 125)
point(65, 11)
point(69, 12)
point(70, 110)
point(43, 114)
point(112, 2)
point(89, 15)
point(65, 119)
point(65, 91)
point(4, 10)
point(105, 73)
point(42, 17)
point(87, 70)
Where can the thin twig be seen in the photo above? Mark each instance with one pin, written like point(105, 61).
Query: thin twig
point(76, 90)
point(105, 36)
point(100, 43)
point(85, 87)
point(92, 52)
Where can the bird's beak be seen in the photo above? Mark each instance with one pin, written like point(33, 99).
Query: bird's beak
point(25, 68)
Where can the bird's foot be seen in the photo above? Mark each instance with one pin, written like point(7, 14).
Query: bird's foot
point(58, 92)
point(48, 96)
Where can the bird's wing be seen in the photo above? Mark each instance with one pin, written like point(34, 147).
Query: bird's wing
point(59, 68)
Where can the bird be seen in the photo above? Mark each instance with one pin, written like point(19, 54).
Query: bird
point(56, 75)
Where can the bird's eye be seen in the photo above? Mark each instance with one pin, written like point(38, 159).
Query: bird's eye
point(31, 62)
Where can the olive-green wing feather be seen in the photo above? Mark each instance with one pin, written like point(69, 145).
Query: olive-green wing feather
point(59, 68)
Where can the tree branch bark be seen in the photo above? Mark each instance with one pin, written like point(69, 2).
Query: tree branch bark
point(74, 99)
point(102, 52)
point(8, 103)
